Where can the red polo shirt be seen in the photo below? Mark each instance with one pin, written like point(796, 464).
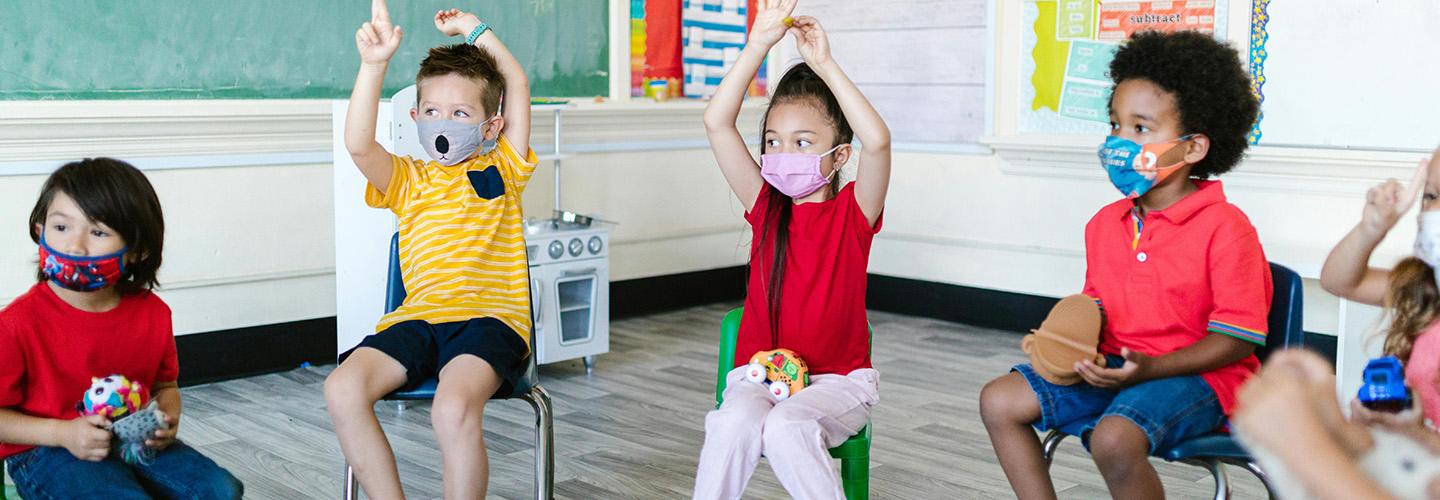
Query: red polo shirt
point(1176, 275)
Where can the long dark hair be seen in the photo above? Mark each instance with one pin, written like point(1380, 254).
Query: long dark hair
point(800, 84)
point(118, 195)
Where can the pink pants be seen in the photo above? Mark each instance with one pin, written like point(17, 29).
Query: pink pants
point(794, 434)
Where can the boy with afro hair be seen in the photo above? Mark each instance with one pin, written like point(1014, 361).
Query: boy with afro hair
point(1178, 271)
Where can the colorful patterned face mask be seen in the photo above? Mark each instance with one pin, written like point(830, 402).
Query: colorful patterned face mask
point(81, 274)
point(1131, 166)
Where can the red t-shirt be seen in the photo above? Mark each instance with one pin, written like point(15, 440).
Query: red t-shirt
point(49, 350)
point(822, 298)
point(1196, 269)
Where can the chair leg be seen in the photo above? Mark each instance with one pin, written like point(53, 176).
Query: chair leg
point(352, 485)
point(544, 442)
point(855, 477)
point(1048, 446)
point(1254, 468)
point(1222, 478)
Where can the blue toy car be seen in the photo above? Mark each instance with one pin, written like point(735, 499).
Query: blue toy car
point(1384, 388)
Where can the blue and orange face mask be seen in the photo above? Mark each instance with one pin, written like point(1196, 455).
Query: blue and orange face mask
point(1132, 167)
point(81, 274)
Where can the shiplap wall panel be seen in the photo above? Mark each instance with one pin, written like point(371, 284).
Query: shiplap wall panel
point(920, 62)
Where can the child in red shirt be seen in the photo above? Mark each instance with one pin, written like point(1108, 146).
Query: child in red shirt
point(806, 290)
point(93, 314)
point(1178, 271)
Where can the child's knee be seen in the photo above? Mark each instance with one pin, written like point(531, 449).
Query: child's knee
point(732, 426)
point(1008, 399)
point(219, 486)
point(452, 414)
point(1117, 442)
point(346, 389)
point(787, 428)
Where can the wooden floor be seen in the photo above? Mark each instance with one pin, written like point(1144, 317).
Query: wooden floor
point(634, 428)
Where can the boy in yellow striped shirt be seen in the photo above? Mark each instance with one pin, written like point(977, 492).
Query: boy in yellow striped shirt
point(466, 315)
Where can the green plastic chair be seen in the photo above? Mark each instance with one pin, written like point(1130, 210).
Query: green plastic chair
point(854, 453)
point(8, 490)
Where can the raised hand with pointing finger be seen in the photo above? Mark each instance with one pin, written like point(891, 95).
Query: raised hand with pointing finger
point(1386, 202)
point(378, 39)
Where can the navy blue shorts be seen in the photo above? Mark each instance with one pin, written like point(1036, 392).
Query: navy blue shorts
point(1169, 410)
point(424, 349)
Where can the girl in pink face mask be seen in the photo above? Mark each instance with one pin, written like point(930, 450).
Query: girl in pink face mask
point(808, 258)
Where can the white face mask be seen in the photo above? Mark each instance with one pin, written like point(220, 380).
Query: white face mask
point(1427, 240)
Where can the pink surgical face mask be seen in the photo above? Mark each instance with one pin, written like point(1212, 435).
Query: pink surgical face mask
point(795, 174)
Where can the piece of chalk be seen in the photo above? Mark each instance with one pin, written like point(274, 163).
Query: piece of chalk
point(789, 21)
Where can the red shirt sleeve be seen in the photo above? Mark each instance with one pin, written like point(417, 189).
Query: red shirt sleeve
point(756, 215)
point(1241, 288)
point(170, 362)
point(12, 366)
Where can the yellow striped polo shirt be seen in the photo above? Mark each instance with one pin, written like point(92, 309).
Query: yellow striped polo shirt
point(462, 238)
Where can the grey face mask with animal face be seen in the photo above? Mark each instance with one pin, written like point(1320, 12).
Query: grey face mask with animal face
point(450, 142)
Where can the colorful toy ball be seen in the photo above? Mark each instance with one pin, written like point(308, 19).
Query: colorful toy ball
point(113, 397)
point(781, 371)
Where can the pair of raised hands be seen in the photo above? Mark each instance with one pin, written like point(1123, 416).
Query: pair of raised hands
point(773, 21)
point(378, 39)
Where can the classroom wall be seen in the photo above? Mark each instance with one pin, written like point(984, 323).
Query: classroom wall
point(234, 178)
point(247, 189)
point(238, 177)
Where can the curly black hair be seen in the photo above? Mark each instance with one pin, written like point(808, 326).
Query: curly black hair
point(1211, 89)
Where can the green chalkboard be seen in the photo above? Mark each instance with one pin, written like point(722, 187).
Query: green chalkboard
point(272, 49)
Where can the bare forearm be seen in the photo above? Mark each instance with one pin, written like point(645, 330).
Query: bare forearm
point(364, 106)
point(869, 127)
point(167, 397)
point(517, 90)
point(724, 106)
point(19, 428)
point(1348, 263)
point(1212, 352)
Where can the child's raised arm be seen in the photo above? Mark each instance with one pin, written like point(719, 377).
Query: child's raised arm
point(1347, 272)
point(740, 169)
point(873, 178)
point(376, 41)
point(516, 104)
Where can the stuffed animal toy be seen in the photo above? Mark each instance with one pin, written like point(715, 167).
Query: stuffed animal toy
point(114, 397)
point(131, 420)
point(1070, 333)
point(781, 370)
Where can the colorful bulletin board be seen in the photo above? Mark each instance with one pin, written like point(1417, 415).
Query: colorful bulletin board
point(1067, 47)
point(682, 48)
point(1347, 74)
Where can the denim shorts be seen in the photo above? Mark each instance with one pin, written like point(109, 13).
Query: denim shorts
point(1169, 410)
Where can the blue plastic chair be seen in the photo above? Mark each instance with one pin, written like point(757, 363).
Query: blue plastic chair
point(527, 388)
point(1215, 450)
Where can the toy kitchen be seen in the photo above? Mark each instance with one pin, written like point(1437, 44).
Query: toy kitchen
point(569, 276)
point(568, 253)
